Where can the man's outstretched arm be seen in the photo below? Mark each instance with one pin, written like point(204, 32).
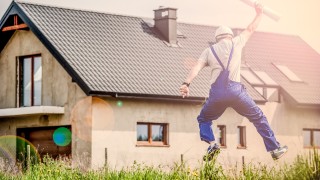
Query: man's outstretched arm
point(184, 89)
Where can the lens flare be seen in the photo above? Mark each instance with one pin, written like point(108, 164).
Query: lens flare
point(119, 103)
point(14, 149)
point(81, 119)
point(62, 136)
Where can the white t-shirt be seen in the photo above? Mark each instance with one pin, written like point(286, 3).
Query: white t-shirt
point(223, 49)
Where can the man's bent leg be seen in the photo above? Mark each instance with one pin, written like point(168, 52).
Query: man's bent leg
point(248, 108)
point(211, 110)
point(206, 133)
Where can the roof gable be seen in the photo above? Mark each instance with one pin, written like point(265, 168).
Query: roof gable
point(15, 8)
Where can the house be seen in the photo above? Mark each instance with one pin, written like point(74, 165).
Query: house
point(103, 88)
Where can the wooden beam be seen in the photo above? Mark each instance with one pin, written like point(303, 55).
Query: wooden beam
point(15, 20)
point(15, 27)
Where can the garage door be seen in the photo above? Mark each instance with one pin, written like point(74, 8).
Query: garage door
point(53, 141)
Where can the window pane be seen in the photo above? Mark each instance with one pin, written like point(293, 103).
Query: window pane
point(142, 132)
point(265, 78)
point(157, 132)
point(287, 72)
point(250, 77)
point(221, 138)
point(271, 91)
point(37, 76)
point(239, 136)
point(259, 89)
point(26, 82)
point(306, 138)
point(316, 138)
point(221, 135)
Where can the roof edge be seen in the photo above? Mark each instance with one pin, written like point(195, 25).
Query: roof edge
point(294, 102)
point(3, 20)
point(309, 106)
point(154, 97)
point(141, 17)
point(145, 96)
point(5, 15)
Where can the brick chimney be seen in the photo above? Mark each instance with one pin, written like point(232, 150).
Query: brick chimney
point(165, 20)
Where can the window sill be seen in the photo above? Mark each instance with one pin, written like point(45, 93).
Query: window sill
point(311, 147)
point(151, 145)
point(33, 110)
point(241, 147)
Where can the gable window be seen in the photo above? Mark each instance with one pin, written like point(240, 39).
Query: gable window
point(222, 135)
point(261, 82)
point(311, 138)
point(152, 134)
point(30, 77)
point(242, 144)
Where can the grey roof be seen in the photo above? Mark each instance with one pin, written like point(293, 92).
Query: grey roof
point(114, 54)
point(122, 54)
point(264, 50)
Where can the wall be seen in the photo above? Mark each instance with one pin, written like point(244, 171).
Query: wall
point(57, 90)
point(117, 132)
point(114, 128)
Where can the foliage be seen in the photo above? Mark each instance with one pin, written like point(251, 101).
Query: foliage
point(305, 167)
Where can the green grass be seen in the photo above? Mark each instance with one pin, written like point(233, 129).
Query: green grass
point(306, 167)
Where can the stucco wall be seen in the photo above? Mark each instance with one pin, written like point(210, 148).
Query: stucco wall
point(116, 131)
point(57, 90)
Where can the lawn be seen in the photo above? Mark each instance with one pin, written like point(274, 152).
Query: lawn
point(304, 167)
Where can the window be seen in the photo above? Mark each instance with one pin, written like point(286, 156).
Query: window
point(311, 138)
point(271, 94)
point(265, 78)
point(152, 134)
point(251, 77)
point(242, 137)
point(261, 82)
point(287, 72)
point(30, 77)
point(222, 135)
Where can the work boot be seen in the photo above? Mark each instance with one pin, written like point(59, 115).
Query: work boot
point(211, 152)
point(278, 153)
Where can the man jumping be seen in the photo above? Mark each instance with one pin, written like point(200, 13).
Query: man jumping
point(224, 59)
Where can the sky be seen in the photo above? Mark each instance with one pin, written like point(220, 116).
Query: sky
point(298, 17)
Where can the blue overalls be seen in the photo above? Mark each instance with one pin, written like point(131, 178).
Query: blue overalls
point(226, 93)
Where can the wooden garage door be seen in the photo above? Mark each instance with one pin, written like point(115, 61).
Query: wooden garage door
point(42, 138)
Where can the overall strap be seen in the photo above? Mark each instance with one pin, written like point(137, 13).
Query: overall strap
point(215, 55)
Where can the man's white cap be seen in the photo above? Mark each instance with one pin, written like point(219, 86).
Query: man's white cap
point(223, 30)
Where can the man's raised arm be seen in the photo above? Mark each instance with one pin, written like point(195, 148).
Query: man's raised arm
point(254, 24)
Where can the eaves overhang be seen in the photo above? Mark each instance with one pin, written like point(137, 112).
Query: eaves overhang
point(295, 103)
point(191, 99)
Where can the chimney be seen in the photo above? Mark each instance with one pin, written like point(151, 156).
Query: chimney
point(165, 20)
